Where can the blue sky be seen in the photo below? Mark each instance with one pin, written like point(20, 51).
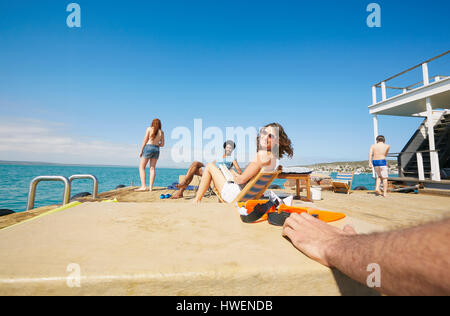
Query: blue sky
point(86, 95)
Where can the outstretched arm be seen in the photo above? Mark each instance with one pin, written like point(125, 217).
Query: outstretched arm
point(412, 261)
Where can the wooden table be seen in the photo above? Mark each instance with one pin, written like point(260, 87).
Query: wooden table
point(297, 177)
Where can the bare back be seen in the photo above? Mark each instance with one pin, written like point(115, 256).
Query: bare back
point(158, 140)
point(380, 151)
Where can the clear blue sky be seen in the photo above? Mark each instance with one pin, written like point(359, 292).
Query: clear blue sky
point(306, 64)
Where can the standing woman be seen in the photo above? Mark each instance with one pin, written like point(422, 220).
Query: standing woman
point(153, 141)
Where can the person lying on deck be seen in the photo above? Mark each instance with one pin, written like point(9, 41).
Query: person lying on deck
point(272, 142)
point(196, 168)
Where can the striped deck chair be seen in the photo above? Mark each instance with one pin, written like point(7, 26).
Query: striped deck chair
point(256, 187)
point(343, 182)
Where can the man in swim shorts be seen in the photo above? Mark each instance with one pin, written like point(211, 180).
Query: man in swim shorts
point(377, 160)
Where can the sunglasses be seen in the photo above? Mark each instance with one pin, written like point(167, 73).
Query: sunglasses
point(270, 135)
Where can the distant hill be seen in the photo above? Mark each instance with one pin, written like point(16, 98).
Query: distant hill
point(349, 166)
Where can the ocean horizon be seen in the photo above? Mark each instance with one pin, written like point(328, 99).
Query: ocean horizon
point(15, 181)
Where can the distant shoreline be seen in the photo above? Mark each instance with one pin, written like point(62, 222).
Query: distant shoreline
point(324, 165)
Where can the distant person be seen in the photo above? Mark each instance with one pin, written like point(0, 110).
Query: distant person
point(153, 141)
point(377, 160)
point(196, 167)
point(412, 261)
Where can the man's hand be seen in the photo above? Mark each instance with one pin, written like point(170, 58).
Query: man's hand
point(313, 237)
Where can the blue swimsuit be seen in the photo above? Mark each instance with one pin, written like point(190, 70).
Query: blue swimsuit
point(379, 163)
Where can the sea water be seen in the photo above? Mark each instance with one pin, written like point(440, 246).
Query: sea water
point(15, 181)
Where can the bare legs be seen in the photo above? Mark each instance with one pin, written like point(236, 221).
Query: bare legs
point(385, 186)
point(142, 175)
point(142, 165)
point(194, 170)
point(211, 173)
point(152, 172)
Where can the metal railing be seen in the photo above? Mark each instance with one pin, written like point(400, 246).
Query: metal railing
point(67, 187)
point(425, 82)
point(419, 157)
point(87, 176)
point(35, 182)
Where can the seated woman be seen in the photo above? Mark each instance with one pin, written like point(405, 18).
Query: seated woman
point(272, 142)
point(196, 168)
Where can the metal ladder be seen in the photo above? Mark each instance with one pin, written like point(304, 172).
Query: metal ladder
point(67, 187)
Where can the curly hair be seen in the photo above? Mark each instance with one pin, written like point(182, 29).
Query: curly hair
point(284, 146)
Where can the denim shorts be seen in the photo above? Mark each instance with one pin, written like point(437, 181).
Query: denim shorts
point(151, 152)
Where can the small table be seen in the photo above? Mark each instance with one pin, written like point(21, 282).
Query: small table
point(297, 177)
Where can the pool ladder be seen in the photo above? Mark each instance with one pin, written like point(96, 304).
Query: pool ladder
point(67, 187)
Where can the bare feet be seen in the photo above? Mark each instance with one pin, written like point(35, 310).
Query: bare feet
point(195, 201)
point(177, 195)
point(141, 189)
point(378, 193)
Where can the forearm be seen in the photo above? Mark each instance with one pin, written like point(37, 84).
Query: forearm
point(412, 261)
point(144, 143)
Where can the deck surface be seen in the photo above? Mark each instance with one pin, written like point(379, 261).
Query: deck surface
point(160, 249)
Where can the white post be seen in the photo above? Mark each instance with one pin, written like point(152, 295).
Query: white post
point(383, 90)
point(434, 157)
point(375, 128)
point(426, 78)
point(420, 166)
point(374, 94)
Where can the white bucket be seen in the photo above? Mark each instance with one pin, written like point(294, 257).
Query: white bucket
point(316, 193)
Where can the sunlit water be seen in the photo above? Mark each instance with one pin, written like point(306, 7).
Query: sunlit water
point(15, 181)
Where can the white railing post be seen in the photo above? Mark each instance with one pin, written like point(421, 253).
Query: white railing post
point(434, 157)
point(375, 128)
point(426, 78)
point(374, 94)
point(420, 166)
point(383, 90)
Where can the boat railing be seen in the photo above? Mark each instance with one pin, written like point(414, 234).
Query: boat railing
point(37, 180)
point(67, 187)
point(419, 156)
point(425, 74)
point(87, 176)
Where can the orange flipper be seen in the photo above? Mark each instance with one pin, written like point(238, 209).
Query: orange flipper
point(324, 216)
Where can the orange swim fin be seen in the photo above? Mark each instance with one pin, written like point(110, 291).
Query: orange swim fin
point(324, 216)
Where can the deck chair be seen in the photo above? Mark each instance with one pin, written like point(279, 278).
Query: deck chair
point(343, 182)
point(255, 188)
